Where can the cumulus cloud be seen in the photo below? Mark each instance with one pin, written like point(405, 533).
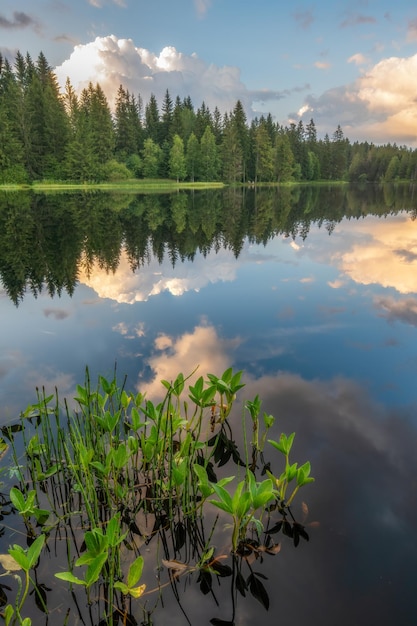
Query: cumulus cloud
point(379, 106)
point(111, 61)
point(129, 287)
point(172, 355)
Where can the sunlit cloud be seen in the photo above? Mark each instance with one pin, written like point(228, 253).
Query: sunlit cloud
point(111, 62)
point(202, 348)
point(358, 59)
point(379, 106)
point(126, 286)
point(322, 65)
point(380, 257)
point(336, 284)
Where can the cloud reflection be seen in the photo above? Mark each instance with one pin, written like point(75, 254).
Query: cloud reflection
point(202, 347)
point(129, 287)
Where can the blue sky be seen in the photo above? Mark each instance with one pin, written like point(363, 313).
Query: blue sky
point(352, 63)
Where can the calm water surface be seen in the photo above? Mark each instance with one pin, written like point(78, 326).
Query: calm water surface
point(313, 293)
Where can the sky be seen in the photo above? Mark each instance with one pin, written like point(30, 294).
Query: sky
point(352, 63)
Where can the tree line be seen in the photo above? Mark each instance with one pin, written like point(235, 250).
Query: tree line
point(49, 135)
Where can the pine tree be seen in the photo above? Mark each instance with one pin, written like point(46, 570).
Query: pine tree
point(152, 121)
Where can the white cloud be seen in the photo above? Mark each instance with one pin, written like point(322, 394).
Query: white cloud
point(111, 62)
point(322, 65)
point(379, 106)
point(129, 287)
point(173, 355)
point(357, 59)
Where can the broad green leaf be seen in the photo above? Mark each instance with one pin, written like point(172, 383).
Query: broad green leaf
point(222, 506)
point(35, 550)
point(70, 578)
point(17, 498)
point(224, 496)
point(8, 614)
point(122, 587)
point(94, 569)
point(243, 505)
point(135, 571)
point(237, 495)
point(201, 473)
point(20, 557)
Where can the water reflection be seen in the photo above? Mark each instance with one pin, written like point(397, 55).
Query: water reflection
point(312, 292)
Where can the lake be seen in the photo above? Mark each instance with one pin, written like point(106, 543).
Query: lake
point(311, 291)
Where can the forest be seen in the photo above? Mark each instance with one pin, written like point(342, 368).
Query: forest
point(47, 135)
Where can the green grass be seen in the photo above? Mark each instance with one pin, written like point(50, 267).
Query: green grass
point(133, 185)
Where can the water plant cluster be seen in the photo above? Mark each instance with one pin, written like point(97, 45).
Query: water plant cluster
point(114, 488)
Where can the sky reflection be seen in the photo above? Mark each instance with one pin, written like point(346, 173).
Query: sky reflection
point(324, 329)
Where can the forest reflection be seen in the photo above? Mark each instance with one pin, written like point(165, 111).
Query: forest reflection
point(47, 239)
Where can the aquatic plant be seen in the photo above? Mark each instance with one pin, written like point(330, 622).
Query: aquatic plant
point(105, 478)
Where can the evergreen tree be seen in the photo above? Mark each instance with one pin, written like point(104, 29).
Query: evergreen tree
point(152, 122)
point(167, 108)
point(284, 158)
point(264, 155)
point(232, 155)
point(128, 127)
point(209, 156)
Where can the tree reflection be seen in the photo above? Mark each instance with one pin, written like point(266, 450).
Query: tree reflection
point(45, 239)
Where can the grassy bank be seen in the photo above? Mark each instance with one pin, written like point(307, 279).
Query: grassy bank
point(134, 186)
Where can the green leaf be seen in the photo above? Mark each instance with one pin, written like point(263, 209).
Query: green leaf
point(8, 614)
point(20, 557)
point(201, 473)
point(135, 571)
point(17, 498)
point(122, 587)
point(224, 496)
point(222, 506)
point(70, 578)
point(243, 505)
point(237, 495)
point(94, 569)
point(35, 550)
point(264, 493)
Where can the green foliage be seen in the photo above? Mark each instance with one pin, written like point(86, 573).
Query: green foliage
point(120, 459)
point(46, 135)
